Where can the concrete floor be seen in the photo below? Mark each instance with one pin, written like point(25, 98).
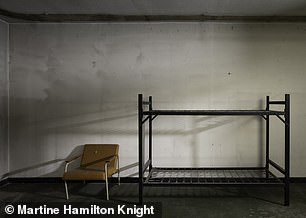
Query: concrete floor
point(176, 201)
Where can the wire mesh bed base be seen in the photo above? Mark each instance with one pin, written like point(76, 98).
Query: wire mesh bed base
point(211, 176)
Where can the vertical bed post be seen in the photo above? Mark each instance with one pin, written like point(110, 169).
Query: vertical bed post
point(267, 136)
point(150, 134)
point(140, 148)
point(287, 149)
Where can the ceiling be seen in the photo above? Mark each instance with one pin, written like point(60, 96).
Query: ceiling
point(156, 7)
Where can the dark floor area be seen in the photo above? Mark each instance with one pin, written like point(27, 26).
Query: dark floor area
point(176, 201)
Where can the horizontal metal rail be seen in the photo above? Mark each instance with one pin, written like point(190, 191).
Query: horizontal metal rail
point(277, 102)
point(146, 103)
point(214, 112)
point(254, 184)
point(209, 168)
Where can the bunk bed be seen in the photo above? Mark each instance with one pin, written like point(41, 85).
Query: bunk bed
point(203, 176)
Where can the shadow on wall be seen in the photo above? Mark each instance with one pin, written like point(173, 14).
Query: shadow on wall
point(79, 104)
point(297, 9)
point(37, 134)
point(51, 117)
point(76, 151)
point(71, 125)
point(221, 121)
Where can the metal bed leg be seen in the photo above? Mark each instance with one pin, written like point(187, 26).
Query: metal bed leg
point(267, 136)
point(287, 149)
point(140, 193)
point(286, 195)
point(150, 134)
point(140, 148)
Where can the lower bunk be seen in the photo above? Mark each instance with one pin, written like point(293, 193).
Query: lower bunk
point(212, 176)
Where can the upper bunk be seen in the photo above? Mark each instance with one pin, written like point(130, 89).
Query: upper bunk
point(214, 112)
point(149, 111)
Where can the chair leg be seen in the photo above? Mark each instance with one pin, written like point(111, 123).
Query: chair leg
point(118, 178)
point(66, 188)
point(106, 186)
point(118, 171)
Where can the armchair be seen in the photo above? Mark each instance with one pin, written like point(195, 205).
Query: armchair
point(99, 161)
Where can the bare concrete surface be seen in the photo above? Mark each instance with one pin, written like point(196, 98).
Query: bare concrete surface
point(176, 201)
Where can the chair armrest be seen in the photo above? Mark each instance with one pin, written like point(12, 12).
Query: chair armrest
point(109, 159)
point(69, 161)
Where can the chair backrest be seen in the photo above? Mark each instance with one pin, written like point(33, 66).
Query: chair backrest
point(94, 155)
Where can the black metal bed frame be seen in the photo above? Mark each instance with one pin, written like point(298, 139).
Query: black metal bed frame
point(214, 176)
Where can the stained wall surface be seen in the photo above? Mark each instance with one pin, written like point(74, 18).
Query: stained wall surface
point(3, 100)
point(73, 84)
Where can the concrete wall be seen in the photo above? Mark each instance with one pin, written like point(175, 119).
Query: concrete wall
point(77, 83)
point(3, 100)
